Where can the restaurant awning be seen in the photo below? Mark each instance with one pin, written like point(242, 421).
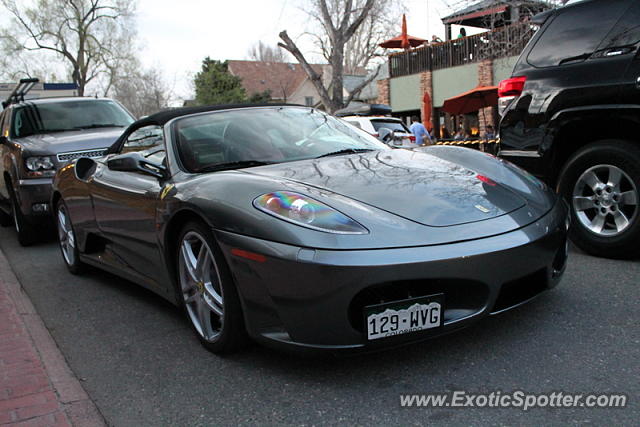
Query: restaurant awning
point(473, 100)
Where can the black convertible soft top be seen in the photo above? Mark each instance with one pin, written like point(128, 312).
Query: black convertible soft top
point(162, 117)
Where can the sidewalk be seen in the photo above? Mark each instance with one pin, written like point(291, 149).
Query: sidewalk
point(37, 387)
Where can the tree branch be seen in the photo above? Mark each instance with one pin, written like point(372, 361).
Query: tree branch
point(315, 78)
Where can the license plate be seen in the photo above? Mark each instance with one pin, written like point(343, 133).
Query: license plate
point(403, 317)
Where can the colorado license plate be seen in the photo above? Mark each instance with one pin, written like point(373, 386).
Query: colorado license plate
point(403, 317)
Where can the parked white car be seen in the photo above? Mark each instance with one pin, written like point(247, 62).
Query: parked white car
point(373, 124)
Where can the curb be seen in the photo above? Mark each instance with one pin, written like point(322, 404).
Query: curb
point(74, 400)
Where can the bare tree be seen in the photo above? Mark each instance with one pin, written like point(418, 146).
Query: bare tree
point(339, 20)
point(87, 35)
point(263, 52)
point(382, 23)
point(141, 91)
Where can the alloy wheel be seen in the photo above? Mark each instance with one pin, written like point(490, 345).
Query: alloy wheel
point(65, 236)
point(201, 287)
point(605, 200)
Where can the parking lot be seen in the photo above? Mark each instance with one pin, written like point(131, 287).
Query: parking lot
point(140, 363)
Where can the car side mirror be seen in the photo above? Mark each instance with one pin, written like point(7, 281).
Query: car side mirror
point(387, 136)
point(135, 162)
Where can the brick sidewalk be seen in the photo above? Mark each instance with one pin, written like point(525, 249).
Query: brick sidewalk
point(37, 387)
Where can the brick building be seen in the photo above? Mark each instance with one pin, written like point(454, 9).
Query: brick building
point(438, 71)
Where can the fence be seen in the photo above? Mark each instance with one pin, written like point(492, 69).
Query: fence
point(499, 43)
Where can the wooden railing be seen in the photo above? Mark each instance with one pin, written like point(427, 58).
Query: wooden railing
point(499, 43)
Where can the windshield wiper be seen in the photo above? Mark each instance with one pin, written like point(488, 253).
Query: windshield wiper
point(346, 151)
point(233, 165)
point(46, 131)
point(101, 125)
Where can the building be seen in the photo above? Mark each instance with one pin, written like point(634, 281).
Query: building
point(41, 90)
point(426, 76)
point(284, 81)
point(289, 83)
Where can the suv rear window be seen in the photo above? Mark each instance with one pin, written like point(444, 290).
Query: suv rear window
point(627, 31)
point(393, 125)
point(576, 32)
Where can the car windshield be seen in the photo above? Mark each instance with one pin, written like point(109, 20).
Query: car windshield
point(50, 117)
point(250, 137)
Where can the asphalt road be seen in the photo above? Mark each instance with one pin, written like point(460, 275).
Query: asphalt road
point(141, 364)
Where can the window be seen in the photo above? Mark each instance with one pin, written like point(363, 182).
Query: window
point(149, 139)
point(393, 125)
point(271, 135)
point(575, 33)
point(69, 115)
point(627, 30)
point(308, 101)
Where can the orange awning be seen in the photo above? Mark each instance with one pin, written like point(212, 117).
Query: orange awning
point(473, 100)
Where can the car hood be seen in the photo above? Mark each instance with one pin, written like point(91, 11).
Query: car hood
point(418, 186)
point(61, 142)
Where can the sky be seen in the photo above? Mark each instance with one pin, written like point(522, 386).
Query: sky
point(177, 36)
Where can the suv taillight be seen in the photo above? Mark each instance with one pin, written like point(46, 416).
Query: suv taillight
point(508, 90)
point(511, 87)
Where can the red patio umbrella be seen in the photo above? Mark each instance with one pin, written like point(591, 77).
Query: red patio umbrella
point(473, 100)
point(403, 41)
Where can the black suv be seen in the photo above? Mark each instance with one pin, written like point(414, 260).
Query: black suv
point(571, 115)
point(40, 136)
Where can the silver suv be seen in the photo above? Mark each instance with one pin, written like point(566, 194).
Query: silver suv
point(37, 138)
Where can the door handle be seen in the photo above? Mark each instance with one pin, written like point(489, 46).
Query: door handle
point(638, 83)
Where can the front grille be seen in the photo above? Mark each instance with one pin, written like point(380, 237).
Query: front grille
point(72, 155)
point(462, 297)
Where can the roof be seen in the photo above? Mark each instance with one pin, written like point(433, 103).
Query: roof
point(488, 7)
point(52, 99)
point(351, 82)
point(281, 78)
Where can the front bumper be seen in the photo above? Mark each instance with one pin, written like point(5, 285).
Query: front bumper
point(34, 196)
point(313, 299)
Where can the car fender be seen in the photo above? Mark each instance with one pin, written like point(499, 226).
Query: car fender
point(10, 166)
point(572, 128)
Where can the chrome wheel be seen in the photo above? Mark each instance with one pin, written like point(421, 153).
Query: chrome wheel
point(65, 236)
point(605, 200)
point(201, 286)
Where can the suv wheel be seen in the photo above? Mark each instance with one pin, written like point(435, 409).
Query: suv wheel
point(5, 219)
point(25, 231)
point(601, 184)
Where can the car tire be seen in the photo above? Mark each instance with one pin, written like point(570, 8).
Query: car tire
point(24, 229)
point(5, 219)
point(601, 183)
point(67, 239)
point(206, 291)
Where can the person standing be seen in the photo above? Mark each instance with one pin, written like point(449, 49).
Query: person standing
point(420, 132)
point(490, 133)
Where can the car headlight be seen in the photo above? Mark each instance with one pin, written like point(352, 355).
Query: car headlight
point(39, 163)
point(307, 212)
